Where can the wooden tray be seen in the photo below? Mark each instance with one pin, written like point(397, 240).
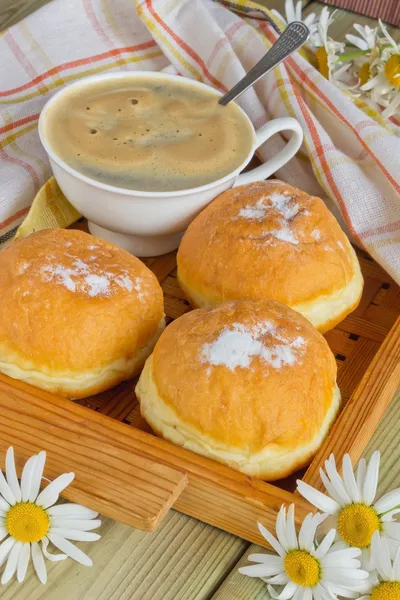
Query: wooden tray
point(126, 473)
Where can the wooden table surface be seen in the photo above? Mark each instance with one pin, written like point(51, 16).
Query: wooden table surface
point(184, 559)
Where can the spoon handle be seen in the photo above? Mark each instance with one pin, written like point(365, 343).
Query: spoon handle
point(294, 36)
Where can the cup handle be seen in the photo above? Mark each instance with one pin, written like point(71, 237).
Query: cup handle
point(273, 165)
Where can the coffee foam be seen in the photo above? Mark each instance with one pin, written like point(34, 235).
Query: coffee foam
point(148, 134)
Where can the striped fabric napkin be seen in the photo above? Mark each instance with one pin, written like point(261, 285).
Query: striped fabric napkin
point(349, 156)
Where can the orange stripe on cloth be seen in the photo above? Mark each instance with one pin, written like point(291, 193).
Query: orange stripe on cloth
point(78, 63)
point(192, 53)
point(316, 141)
point(303, 77)
point(76, 76)
point(389, 228)
point(14, 217)
point(16, 124)
point(88, 6)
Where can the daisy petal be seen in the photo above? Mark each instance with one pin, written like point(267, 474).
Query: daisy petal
point(76, 534)
point(37, 476)
point(303, 537)
point(51, 493)
point(281, 528)
point(4, 506)
point(273, 542)
point(325, 544)
point(356, 41)
point(371, 479)
point(268, 559)
point(5, 548)
point(3, 533)
point(81, 524)
point(396, 566)
point(309, 530)
point(392, 530)
point(318, 499)
point(255, 570)
point(72, 551)
point(361, 471)
point(332, 490)
point(307, 594)
point(5, 490)
point(290, 532)
point(281, 579)
point(23, 562)
point(12, 563)
point(388, 502)
point(51, 557)
point(337, 481)
point(286, 593)
point(26, 478)
point(350, 480)
point(72, 511)
point(11, 474)
point(38, 562)
point(389, 515)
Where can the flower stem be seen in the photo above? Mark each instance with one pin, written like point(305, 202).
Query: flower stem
point(351, 55)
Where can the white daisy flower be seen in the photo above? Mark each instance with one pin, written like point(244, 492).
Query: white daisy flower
point(351, 503)
point(28, 516)
point(307, 571)
point(386, 585)
point(367, 39)
point(327, 49)
point(293, 13)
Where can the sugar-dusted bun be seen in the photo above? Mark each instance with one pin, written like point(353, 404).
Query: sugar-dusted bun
point(77, 314)
point(248, 383)
point(271, 240)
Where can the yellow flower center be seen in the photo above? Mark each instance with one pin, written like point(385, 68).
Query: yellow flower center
point(364, 73)
point(387, 590)
point(392, 70)
point(27, 522)
point(302, 568)
point(357, 524)
point(322, 59)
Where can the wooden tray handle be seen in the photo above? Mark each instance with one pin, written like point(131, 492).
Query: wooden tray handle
point(365, 408)
point(111, 475)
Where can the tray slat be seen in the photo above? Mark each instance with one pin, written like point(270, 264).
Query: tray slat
point(356, 424)
point(110, 476)
point(127, 473)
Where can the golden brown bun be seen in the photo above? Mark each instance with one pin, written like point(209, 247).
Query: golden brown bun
point(77, 314)
point(271, 240)
point(249, 383)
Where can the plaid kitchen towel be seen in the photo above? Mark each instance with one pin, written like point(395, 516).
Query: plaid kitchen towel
point(349, 156)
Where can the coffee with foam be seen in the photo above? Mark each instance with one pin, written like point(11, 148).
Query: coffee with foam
point(148, 134)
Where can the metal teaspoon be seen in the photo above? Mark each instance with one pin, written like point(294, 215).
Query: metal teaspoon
point(294, 36)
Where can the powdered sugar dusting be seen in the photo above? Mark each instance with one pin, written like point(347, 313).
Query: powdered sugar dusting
point(316, 234)
point(285, 235)
point(255, 212)
point(282, 204)
point(339, 243)
point(23, 267)
point(98, 285)
point(125, 282)
point(238, 344)
point(90, 279)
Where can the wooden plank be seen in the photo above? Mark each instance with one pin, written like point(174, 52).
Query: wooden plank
point(183, 560)
point(239, 587)
point(128, 474)
point(109, 476)
point(359, 419)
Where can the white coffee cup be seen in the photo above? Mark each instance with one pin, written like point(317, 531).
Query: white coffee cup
point(152, 223)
